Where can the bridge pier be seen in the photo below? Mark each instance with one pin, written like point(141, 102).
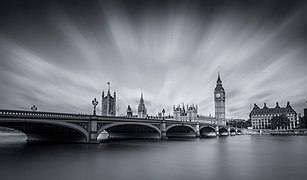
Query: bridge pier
point(197, 130)
point(93, 131)
point(163, 130)
point(217, 130)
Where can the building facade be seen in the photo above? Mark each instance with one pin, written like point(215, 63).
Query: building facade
point(261, 117)
point(303, 120)
point(142, 111)
point(108, 103)
point(219, 101)
point(207, 119)
point(189, 113)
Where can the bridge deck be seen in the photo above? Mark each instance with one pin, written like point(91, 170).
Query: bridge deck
point(9, 114)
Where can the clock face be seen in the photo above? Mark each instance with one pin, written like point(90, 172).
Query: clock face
point(218, 95)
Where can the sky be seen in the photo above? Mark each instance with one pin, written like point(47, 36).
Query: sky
point(59, 55)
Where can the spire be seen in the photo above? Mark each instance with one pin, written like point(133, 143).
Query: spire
point(108, 88)
point(219, 86)
point(219, 78)
point(141, 100)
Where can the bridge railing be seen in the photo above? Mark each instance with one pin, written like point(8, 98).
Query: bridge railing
point(54, 115)
point(5, 112)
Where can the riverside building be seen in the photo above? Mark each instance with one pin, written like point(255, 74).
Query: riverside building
point(261, 117)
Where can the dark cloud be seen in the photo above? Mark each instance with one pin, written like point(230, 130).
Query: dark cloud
point(60, 54)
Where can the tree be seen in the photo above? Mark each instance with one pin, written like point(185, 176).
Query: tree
point(281, 121)
point(248, 123)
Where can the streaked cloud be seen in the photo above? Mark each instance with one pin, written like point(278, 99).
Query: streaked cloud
point(59, 55)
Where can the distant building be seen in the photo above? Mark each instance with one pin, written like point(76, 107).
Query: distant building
point(303, 120)
point(108, 103)
point(261, 117)
point(142, 111)
point(240, 123)
point(129, 111)
point(188, 114)
point(219, 100)
point(207, 119)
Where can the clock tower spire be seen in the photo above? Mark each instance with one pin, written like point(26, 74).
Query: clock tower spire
point(219, 100)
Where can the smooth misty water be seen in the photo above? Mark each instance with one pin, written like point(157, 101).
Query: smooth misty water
point(236, 157)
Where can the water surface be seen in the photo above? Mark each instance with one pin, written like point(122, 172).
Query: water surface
point(235, 157)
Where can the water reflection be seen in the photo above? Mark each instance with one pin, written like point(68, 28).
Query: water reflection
point(235, 157)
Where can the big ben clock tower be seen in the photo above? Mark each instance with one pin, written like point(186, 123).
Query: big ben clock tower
point(219, 99)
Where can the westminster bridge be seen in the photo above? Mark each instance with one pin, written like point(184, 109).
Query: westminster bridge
point(66, 127)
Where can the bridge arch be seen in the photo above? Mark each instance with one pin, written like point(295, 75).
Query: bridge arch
point(48, 130)
point(180, 130)
point(207, 131)
point(223, 131)
point(130, 130)
point(232, 130)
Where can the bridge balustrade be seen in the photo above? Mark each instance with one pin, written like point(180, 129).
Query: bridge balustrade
point(43, 114)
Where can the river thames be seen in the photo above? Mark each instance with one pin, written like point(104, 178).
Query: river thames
point(234, 157)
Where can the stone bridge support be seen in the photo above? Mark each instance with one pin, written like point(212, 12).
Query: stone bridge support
point(217, 130)
point(163, 130)
point(197, 130)
point(93, 131)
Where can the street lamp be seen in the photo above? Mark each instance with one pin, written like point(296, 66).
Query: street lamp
point(163, 111)
point(33, 108)
point(95, 103)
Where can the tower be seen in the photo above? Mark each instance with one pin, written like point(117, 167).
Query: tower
point(219, 100)
point(177, 112)
point(129, 111)
point(192, 112)
point(108, 103)
point(142, 111)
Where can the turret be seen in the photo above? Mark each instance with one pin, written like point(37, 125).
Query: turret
point(277, 105)
point(256, 107)
point(108, 103)
point(288, 105)
point(108, 88)
point(129, 111)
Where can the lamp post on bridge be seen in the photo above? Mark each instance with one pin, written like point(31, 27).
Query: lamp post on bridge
point(95, 103)
point(163, 112)
point(33, 108)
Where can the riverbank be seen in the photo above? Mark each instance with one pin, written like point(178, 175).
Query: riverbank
point(285, 132)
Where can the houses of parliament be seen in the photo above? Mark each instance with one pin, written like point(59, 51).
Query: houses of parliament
point(180, 113)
